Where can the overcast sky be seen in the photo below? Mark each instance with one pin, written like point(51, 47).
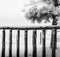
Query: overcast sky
point(11, 13)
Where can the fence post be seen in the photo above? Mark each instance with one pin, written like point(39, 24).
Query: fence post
point(26, 45)
point(3, 44)
point(18, 39)
point(34, 43)
point(51, 39)
point(54, 43)
point(43, 46)
point(40, 38)
point(10, 44)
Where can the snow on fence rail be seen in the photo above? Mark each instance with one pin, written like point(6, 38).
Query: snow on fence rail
point(54, 28)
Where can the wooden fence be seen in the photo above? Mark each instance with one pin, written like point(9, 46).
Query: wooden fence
point(54, 28)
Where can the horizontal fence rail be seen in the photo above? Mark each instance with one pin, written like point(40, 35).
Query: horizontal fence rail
point(54, 28)
point(31, 28)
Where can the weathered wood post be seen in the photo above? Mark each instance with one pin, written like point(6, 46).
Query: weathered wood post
point(40, 38)
point(18, 46)
point(54, 20)
point(10, 44)
point(54, 43)
point(26, 45)
point(34, 43)
point(43, 45)
point(54, 23)
point(51, 39)
point(3, 44)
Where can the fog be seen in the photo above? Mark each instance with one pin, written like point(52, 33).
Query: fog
point(11, 13)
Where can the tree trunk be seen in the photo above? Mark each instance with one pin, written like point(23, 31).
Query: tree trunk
point(54, 23)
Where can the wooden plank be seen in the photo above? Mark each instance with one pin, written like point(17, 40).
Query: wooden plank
point(34, 43)
point(54, 43)
point(26, 45)
point(43, 45)
point(40, 38)
point(10, 44)
point(3, 43)
point(18, 39)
